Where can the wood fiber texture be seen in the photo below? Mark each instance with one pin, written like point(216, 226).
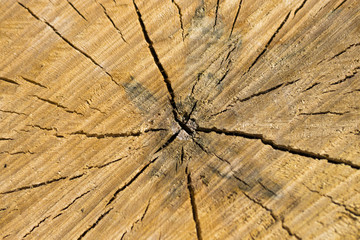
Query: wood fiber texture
point(179, 119)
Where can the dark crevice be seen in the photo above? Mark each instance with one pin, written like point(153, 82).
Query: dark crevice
point(167, 143)
point(145, 211)
point(209, 152)
point(266, 188)
point(272, 214)
point(267, 91)
point(315, 84)
point(95, 223)
point(300, 7)
point(353, 91)
point(200, 146)
point(344, 51)
point(187, 116)
point(347, 77)
point(229, 53)
point(222, 159)
point(123, 235)
point(42, 128)
point(33, 82)
point(116, 135)
point(221, 112)
point(280, 147)
point(105, 164)
point(180, 18)
point(162, 71)
point(357, 214)
point(235, 19)
point(36, 226)
point(78, 12)
point(254, 95)
point(339, 5)
point(269, 42)
point(58, 105)
point(6, 139)
point(8, 80)
point(223, 77)
point(127, 184)
point(13, 112)
point(324, 113)
point(113, 23)
point(182, 124)
point(73, 201)
point(68, 42)
point(76, 176)
point(156, 58)
point(139, 219)
point(16, 153)
point(182, 157)
point(196, 82)
point(216, 12)
point(240, 180)
point(35, 185)
point(193, 204)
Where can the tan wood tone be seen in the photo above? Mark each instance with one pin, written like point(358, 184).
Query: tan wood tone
point(179, 119)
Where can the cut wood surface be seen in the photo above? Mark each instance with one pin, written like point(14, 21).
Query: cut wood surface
point(179, 119)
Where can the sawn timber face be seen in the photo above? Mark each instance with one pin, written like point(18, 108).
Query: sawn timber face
point(179, 119)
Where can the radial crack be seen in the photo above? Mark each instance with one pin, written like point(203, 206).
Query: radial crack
point(180, 18)
point(78, 12)
point(357, 214)
point(280, 147)
point(313, 85)
point(113, 23)
point(71, 203)
point(33, 82)
point(35, 185)
point(36, 226)
point(106, 164)
point(216, 12)
point(68, 42)
point(193, 204)
point(339, 5)
point(17, 113)
point(266, 91)
point(272, 214)
point(235, 19)
point(58, 105)
point(8, 80)
point(347, 77)
point(127, 184)
point(269, 42)
point(300, 7)
point(254, 95)
point(116, 135)
point(137, 221)
point(167, 143)
point(156, 58)
point(95, 223)
point(6, 139)
point(345, 50)
point(324, 113)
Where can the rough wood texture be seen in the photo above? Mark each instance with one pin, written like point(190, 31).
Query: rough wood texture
point(175, 119)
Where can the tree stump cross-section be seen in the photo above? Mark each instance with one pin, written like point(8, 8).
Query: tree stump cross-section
point(175, 119)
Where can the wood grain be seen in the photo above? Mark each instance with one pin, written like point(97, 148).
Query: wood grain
point(219, 119)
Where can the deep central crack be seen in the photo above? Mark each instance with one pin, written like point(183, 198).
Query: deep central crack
point(181, 121)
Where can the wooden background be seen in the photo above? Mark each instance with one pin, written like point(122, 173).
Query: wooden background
point(179, 119)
